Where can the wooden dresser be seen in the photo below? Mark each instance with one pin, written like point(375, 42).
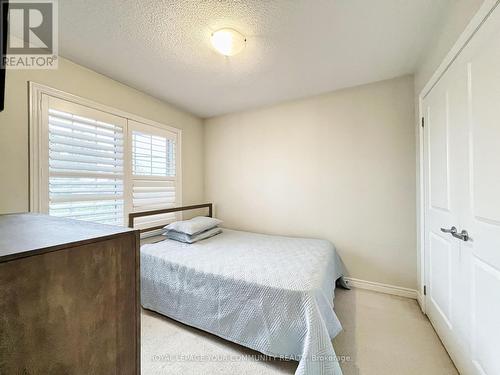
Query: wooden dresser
point(69, 297)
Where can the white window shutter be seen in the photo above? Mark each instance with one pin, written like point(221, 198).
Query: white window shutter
point(92, 162)
point(154, 174)
point(85, 163)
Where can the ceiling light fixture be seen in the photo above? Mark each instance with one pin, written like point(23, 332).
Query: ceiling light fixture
point(228, 42)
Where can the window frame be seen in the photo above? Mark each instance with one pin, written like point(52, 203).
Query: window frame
point(38, 145)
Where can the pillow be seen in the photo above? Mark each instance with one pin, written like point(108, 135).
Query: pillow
point(195, 225)
point(183, 237)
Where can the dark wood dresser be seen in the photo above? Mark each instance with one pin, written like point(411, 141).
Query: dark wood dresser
point(69, 297)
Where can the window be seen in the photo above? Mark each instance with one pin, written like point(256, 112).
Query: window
point(153, 173)
point(97, 164)
point(85, 165)
point(152, 155)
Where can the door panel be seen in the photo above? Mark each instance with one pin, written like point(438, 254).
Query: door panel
point(482, 214)
point(485, 318)
point(440, 276)
point(441, 208)
point(438, 151)
point(484, 83)
point(484, 165)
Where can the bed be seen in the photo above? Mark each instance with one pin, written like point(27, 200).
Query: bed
point(269, 293)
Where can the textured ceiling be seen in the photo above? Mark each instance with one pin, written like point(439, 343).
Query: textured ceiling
point(295, 48)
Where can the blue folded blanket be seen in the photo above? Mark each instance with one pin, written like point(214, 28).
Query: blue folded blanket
point(191, 238)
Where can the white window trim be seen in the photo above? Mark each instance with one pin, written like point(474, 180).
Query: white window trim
point(38, 134)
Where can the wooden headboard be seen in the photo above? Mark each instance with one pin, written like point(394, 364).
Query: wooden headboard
point(133, 215)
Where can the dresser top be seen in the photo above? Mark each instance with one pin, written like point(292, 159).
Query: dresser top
point(23, 235)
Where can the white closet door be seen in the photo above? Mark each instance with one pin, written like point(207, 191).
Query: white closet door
point(462, 188)
point(445, 114)
point(482, 209)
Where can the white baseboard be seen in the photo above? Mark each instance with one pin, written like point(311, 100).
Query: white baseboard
point(382, 288)
point(420, 300)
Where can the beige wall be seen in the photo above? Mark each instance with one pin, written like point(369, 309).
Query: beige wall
point(340, 166)
point(80, 81)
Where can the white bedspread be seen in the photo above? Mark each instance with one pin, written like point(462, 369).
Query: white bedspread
point(271, 294)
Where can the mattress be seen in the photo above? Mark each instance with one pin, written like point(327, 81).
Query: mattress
point(269, 293)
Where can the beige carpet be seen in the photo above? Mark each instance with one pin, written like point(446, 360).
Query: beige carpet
point(383, 335)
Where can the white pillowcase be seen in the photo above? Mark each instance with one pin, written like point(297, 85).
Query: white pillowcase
point(195, 225)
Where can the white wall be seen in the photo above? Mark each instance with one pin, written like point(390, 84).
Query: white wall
point(75, 79)
point(339, 166)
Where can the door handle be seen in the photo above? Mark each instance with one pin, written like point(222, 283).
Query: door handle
point(452, 230)
point(463, 235)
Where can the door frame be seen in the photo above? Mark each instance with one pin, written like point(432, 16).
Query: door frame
point(474, 25)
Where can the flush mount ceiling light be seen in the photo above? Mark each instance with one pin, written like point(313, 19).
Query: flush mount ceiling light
point(228, 42)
